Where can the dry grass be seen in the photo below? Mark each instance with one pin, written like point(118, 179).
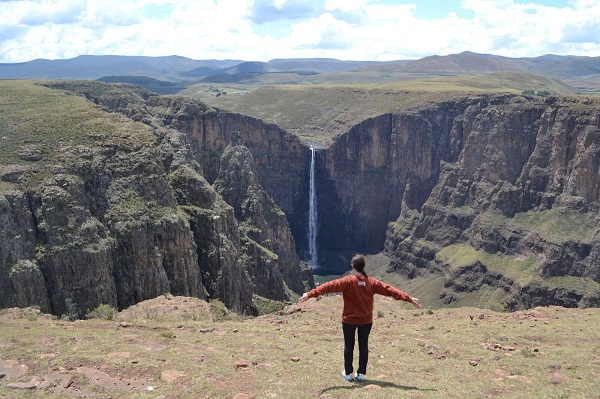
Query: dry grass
point(320, 107)
point(447, 353)
point(319, 113)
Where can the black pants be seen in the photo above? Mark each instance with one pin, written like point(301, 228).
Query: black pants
point(363, 346)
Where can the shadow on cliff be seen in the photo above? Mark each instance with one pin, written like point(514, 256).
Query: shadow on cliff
point(382, 384)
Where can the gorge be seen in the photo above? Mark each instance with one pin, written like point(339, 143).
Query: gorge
point(494, 194)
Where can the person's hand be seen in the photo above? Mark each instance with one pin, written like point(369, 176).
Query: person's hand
point(303, 298)
point(415, 302)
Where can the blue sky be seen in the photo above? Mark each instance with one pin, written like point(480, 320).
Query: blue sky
point(261, 30)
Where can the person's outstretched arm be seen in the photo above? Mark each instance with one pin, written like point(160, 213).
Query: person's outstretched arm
point(387, 290)
point(338, 285)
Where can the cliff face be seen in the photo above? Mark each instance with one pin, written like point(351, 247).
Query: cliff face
point(127, 219)
point(265, 227)
point(260, 170)
point(502, 177)
point(370, 172)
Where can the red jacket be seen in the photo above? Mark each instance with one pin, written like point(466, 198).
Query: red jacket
point(358, 296)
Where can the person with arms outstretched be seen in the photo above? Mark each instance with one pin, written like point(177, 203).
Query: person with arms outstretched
point(358, 291)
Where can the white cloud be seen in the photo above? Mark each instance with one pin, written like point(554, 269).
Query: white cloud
point(345, 5)
point(520, 30)
point(346, 29)
point(111, 13)
point(29, 13)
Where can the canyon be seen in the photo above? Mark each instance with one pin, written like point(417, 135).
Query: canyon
point(488, 192)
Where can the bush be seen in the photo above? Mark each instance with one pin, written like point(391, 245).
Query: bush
point(219, 310)
point(266, 306)
point(167, 334)
point(528, 352)
point(103, 312)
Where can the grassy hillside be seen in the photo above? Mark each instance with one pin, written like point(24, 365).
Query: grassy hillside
point(41, 127)
point(173, 347)
point(317, 113)
point(557, 226)
point(321, 112)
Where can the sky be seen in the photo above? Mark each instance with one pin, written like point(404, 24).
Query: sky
point(261, 30)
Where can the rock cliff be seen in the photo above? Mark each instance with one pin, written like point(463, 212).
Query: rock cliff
point(120, 217)
point(497, 191)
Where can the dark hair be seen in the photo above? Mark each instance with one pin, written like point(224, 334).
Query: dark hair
point(358, 263)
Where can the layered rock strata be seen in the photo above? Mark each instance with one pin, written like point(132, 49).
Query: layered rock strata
point(507, 176)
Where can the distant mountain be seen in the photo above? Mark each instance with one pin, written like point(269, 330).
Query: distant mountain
point(468, 63)
point(157, 86)
point(580, 72)
point(289, 65)
point(199, 72)
point(463, 63)
point(173, 68)
point(246, 72)
point(95, 66)
point(298, 65)
point(321, 65)
point(249, 67)
point(564, 67)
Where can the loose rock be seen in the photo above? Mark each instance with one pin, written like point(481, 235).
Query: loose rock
point(22, 385)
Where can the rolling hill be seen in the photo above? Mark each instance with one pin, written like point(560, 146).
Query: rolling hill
point(581, 72)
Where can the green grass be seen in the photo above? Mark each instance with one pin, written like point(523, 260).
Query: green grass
point(553, 225)
point(583, 284)
point(325, 278)
point(102, 311)
point(541, 353)
point(557, 226)
point(427, 287)
point(516, 269)
point(58, 126)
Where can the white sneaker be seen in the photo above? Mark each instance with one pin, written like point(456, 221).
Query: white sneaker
point(347, 377)
point(359, 377)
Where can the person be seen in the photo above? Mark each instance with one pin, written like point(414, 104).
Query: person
point(358, 291)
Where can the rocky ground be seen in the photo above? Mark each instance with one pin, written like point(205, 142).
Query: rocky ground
point(179, 347)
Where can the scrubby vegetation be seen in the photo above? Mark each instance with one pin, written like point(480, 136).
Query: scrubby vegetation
point(103, 312)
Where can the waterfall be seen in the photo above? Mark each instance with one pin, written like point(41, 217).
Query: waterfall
point(312, 214)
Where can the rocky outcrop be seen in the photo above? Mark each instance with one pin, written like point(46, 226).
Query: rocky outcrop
point(21, 279)
point(216, 234)
point(384, 166)
point(265, 227)
point(129, 219)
